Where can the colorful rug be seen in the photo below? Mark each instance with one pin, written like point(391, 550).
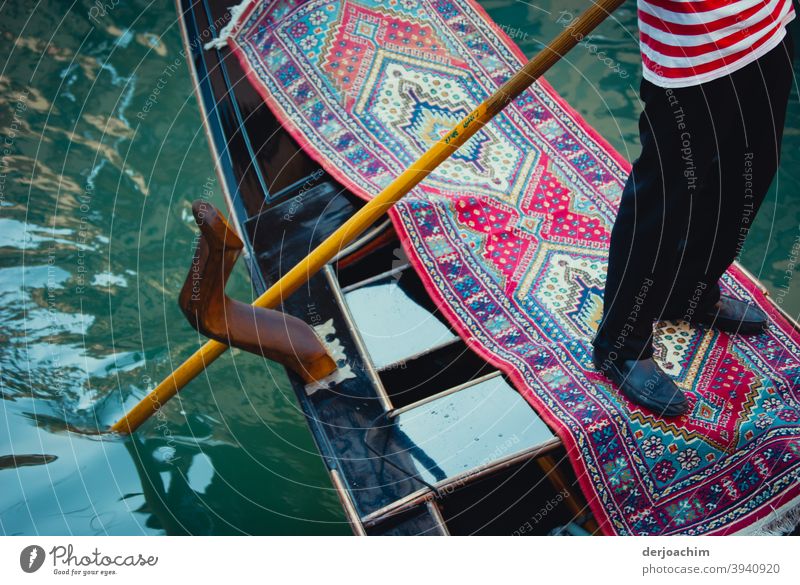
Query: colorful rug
point(510, 238)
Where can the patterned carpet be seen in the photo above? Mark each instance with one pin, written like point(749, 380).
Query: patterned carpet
point(510, 238)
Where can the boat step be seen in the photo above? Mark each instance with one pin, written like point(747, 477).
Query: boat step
point(461, 432)
point(396, 318)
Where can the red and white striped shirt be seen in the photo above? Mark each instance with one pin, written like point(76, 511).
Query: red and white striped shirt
point(688, 42)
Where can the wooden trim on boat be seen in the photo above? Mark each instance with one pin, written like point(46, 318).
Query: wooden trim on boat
point(369, 367)
point(769, 297)
point(752, 277)
point(457, 481)
point(577, 501)
point(436, 514)
point(442, 394)
point(347, 504)
point(230, 204)
point(375, 277)
point(363, 240)
point(783, 312)
point(423, 353)
point(236, 223)
point(240, 121)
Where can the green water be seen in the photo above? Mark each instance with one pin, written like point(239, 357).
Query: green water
point(95, 240)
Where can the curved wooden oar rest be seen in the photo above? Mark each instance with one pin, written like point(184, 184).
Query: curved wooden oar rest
point(272, 334)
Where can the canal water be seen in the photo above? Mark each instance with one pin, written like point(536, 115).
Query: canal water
point(103, 150)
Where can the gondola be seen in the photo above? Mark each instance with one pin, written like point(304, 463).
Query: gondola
point(420, 436)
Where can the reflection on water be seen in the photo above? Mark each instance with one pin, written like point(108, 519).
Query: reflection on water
point(95, 240)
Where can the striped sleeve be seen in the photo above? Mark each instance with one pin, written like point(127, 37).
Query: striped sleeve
point(687, 42)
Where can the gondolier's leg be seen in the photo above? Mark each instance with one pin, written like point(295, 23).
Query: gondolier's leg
point(734, 190)
point(688, 203)
point(679, 133)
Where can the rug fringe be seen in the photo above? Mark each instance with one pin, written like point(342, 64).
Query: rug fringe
point(780, 523)
point(225, 34)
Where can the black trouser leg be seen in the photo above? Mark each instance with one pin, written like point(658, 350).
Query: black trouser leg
point(678, 144)
point(740, 177)
point(670, 234)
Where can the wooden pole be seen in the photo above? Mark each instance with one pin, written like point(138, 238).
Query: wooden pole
point(575, 31)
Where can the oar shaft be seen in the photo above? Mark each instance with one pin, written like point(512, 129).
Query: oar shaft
point(376, 207)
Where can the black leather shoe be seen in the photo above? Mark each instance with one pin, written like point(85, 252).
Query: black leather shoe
point(644, 383)
point(733, 316)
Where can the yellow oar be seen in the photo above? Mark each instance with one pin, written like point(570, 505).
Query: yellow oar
point(576, 30)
